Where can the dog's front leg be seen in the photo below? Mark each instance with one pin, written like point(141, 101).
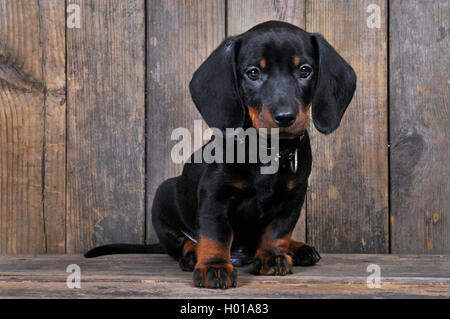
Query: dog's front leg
point(213, 268)
point(278, 252)
point(272, 256)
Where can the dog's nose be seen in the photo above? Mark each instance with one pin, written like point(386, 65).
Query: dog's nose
point(284, 119)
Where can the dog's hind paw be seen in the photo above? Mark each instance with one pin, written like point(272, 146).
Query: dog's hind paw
point(305, 256)
point(188, 261)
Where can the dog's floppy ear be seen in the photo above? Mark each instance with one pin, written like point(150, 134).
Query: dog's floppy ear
point(214, 88)
point(335, 86)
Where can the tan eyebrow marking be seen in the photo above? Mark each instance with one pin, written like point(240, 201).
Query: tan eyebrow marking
point(297, 61)
point(262, 63)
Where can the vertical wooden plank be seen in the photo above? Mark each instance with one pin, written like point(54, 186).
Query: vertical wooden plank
point(181, 34)
point(419, 119)
point(53, 39)
point(348, 193)
point(21, 128)
point(105, 133)
point(242, 15)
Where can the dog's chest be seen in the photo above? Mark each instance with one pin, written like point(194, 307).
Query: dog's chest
point(264, 195)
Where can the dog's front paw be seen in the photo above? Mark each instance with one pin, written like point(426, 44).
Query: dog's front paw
point(215, 276)
point(305, 256)
point(266, 263)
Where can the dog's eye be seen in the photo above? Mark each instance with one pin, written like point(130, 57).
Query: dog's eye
point(253, 74)
point(304, 71)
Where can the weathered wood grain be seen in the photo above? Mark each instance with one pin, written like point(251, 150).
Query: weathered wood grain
point(348, 192)
point(242, 15)
point(21, 129)
point(181, 34)
point(348, 195)
point(158, 276)
point(53, 40)
point(32, 126)
point(419, 120)
point(105, 124)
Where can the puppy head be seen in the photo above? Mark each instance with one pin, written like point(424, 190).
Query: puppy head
point(270, 76)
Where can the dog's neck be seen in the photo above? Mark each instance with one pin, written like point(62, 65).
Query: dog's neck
point(284, 150)
point(287, 146)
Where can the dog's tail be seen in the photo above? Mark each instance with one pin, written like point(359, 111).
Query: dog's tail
point(125, 249)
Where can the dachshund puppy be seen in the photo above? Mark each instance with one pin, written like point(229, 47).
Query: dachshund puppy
point(216, 216)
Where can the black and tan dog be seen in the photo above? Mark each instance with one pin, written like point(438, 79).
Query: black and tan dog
point(220, 215)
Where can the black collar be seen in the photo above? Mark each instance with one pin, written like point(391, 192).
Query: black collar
point(288, 152)
point(288, 148)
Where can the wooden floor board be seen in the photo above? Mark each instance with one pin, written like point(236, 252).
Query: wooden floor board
point(158, 276)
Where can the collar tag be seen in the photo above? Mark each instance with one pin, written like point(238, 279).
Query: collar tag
point(294, 162)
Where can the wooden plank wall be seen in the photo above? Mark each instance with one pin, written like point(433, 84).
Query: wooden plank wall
point(86, 117)
point(199, 27)
point(419, 114)
point(32, 126)
point(348, 193)
point(105, 124)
